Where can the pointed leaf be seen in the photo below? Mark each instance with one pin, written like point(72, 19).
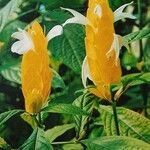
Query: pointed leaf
point(36, 141)
point(55, 132)
point(86, 102)
point(116, 143)
point(64, 109)
point(7, 115)
point(130, 123)
point(144, 33)
point(72, 44)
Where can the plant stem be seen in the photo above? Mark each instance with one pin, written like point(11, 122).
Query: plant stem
point(144, 91)
point(39, 118)
point(65, 142)
point(140, 27)
point(115, 117)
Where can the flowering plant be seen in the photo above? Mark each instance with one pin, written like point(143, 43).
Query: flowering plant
point(74, 75)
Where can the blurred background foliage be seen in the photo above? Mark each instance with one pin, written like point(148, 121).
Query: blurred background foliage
point(66, 53)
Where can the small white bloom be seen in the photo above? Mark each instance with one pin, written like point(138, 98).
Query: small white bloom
point(119, 14)
point(117, 44)
point(24, 44)
point(85, 72)
point(55, 31)
point(78, 18)
point(98, 11)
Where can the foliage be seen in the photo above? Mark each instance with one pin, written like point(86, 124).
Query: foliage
point(74, 118)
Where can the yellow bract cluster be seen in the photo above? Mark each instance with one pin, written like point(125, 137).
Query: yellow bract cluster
point(36, 75)
point(99, 38)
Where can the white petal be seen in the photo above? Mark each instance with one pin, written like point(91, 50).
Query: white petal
point(24, 44)
point(55, 31)
point(16, 46)
point(119, 14)
point(116, 46)
point(85, 72)
point(98, 10)
point(21, 47)
point(78, 18)
point(17, 35)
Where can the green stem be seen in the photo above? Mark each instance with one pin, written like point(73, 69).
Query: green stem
point(140, 27)
point(115, 117)
point(143, 87)
point(66, 142)
point(39, 118)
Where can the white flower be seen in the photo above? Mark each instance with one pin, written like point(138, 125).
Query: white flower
point(85, 71)
point(119, 14)
point(24, 44)
point(78, 18)
point(55, 31)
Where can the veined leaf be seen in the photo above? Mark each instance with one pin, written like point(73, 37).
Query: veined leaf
point(116, 143)
point(55, 132)
point(86, 102)
point(76, 146)
point(36, 141)
point(144, 33)
point(72, 44)
point(130, 123)
point(9, 12)
point(64, 109)
point(8, 114)
point(11, 73)
point(133, 79)
point(4, 145)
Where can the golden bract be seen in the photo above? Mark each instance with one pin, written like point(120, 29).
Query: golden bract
point(99, 39)
point(36, 75)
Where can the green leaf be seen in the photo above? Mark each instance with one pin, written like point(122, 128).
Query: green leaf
point(130, 123)
point(64, 109)
point(57, 81)
point(55, 132)
point(4, 145)
point(72, 44)
point(144, 33)
point(36, 141)
point(8, 114)
point(86, 102)
point(76, 146)
point(115, 143)
point(9, 12)
point(5, 35)
point(132, 80)
point(11, 72)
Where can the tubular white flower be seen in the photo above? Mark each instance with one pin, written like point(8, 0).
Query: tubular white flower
point(78, 18)
point(55, 31)
point(24, 44)
point(119, 14)
point(85, 72)
point(117, 44)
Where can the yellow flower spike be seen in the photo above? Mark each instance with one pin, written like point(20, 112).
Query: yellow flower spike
point(36, 75)
point(103, 69)
point(101, 64)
